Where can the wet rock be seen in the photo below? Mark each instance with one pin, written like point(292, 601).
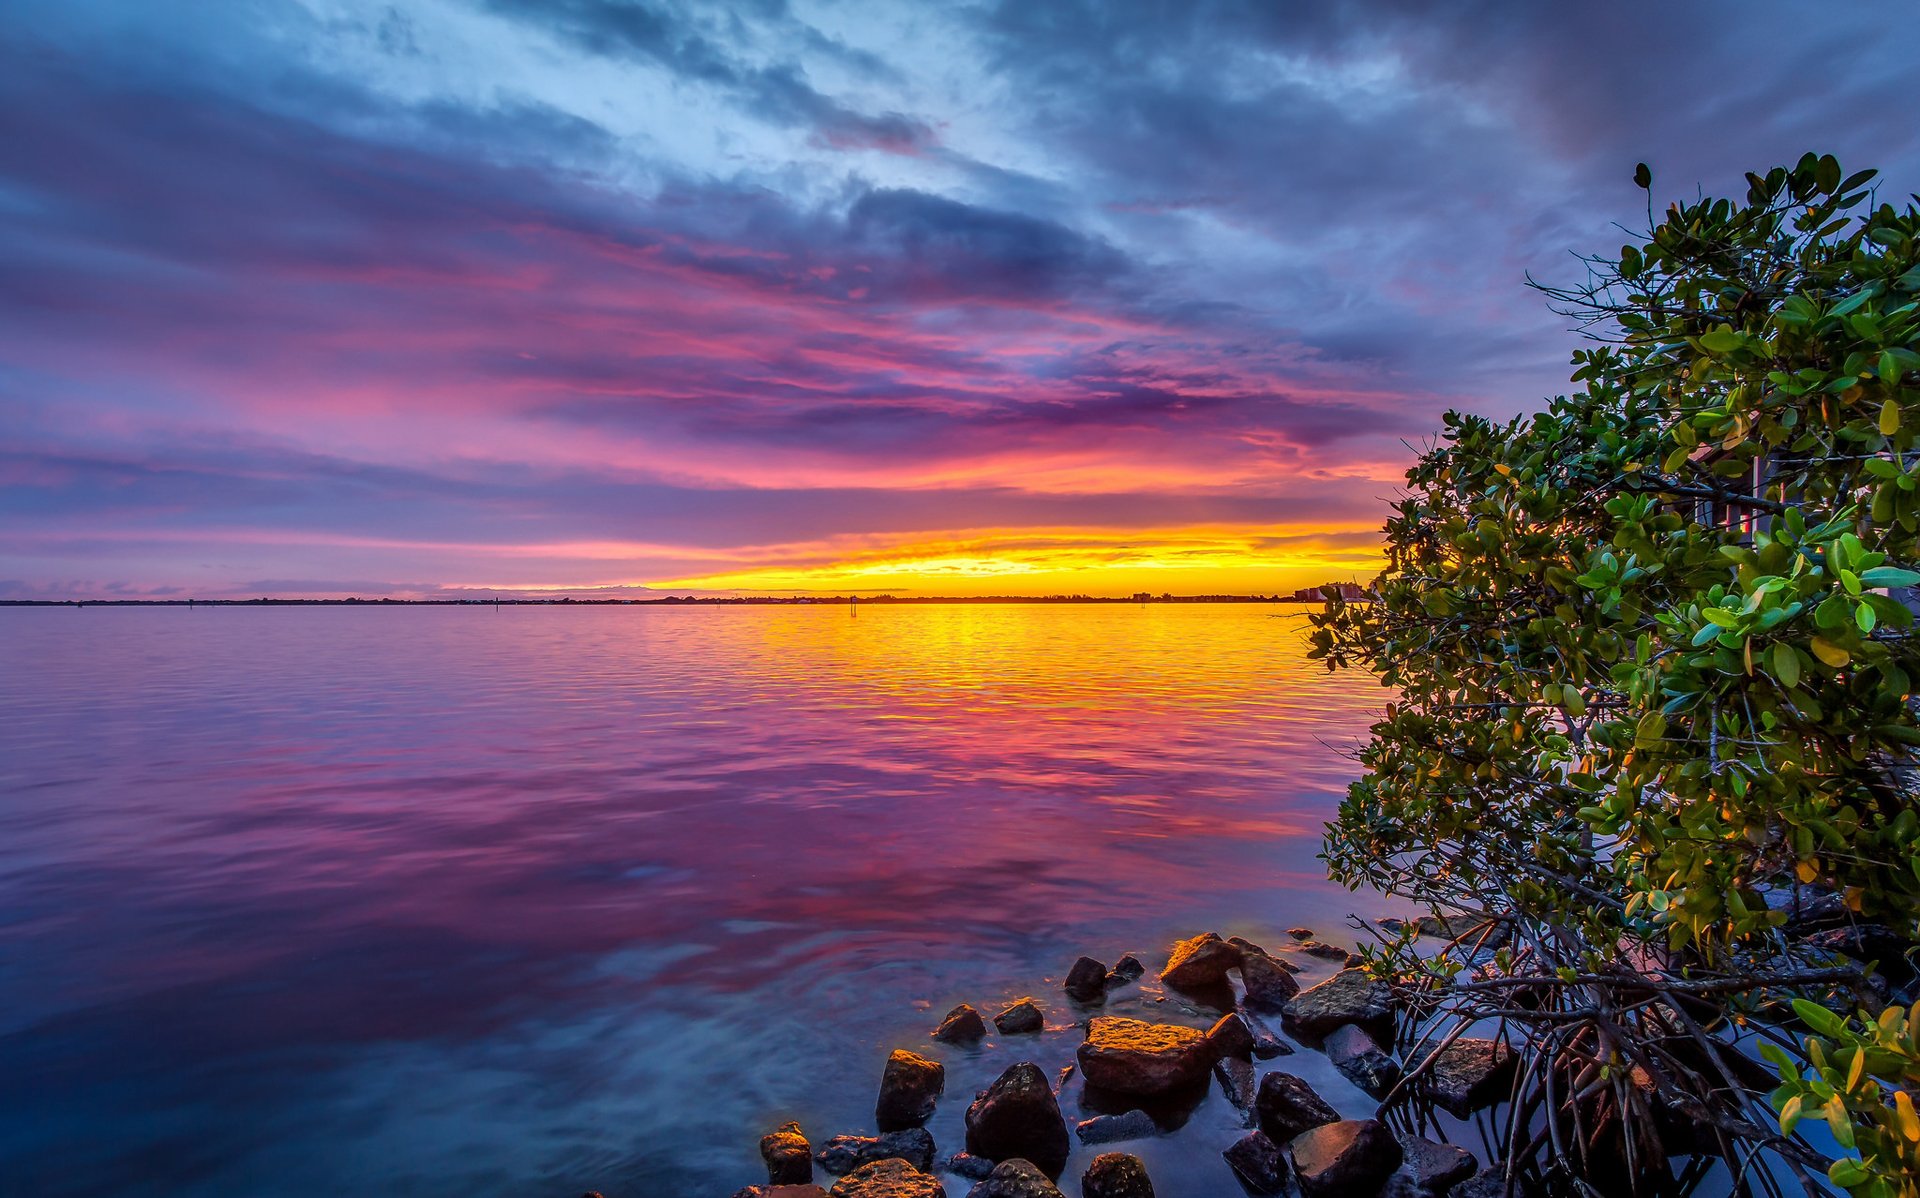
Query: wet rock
point(1131, 1056)
point(1469, 1074)
point(1237, 1081)
point(1245, 946)
point(962, 1025)
point(844, 1154)
point(1111, 1129)
point(1230, 1037)
point(910, 1088)
point(1361, 1059)
point(1020, 1018)
point(808, 1190)
point(1200, 962)
point(788, 1155)
point(1300, 933)
point(1287, 1106)
point(1347, 1159)
point(1465, 927)
point(1086, 981)
point(1116, 1175)
point(1350, 996)
point(1126, 969)
point(1393, 924)
point(1015, 1179)
point(1355, 961)
point(1269, 983)
point(1018, 1116)
point(1326, 952)
point(1266, 1045)
point(1259, 1162)
point(1435, 1167)
point(890, 1178)
point(967, 1165)
point(1872, 943)
point(1060, 1078)
point(1491, 1182)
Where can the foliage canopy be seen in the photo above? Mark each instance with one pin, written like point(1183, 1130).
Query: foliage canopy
point(1655, 661)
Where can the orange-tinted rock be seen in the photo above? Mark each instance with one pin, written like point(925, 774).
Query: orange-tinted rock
point(1344, 1159)
point(910, 1088)
point(1018, 1116)
point(1116, 1175)
point(891, 1178)
point(1350, 996)
point(788, 1155)
point(1200, 962)
point(1131, 1056)
point(962, 1025)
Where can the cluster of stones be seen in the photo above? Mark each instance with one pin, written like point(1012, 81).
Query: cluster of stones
point(1017, 1141)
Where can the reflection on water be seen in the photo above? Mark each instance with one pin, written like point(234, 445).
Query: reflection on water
point(464, 902)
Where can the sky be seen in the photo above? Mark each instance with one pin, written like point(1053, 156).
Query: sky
point(475, 297)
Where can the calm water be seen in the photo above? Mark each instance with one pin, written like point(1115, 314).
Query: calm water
point(442, 901)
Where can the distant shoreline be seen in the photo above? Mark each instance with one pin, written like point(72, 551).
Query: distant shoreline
point(672, 601)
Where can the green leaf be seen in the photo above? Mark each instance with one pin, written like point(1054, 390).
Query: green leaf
point(1889, 417)
point(1721, 341)
point(1889, 576)
point(1786, 665)
point(1821, 1020)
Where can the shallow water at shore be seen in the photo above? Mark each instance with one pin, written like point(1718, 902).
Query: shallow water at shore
point(439, 901)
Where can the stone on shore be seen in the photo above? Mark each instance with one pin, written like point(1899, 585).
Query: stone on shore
point(1111, 1129)
point(1131, 1056)
point(1126, 969)
point(1020, 1018)
point(844, 1154)
point(1259, 1162)
point(910, 1088)
point(1086, 981)
point(967, 1165)
point(1350, 996)
point(1269, 982)
point(1300, 933)
point(1344, 1160)
point(1436, 1167)
point(1326, 952)
point(1015, 1179)
point(1200, 962)
point(1491, 1182)
point(788, 1155)
point(1465, 927)
point(1116, 1175)
point(962, 1025)
point(891, 1178)
point(1018, 1116)
point(1361, 1059)
point(809, 1190)
point(1230, 1037)
point(1266, 1045)
point(1469, 1074)
point(1237, 1081)
point(1245, 945)
point(1287, 1106)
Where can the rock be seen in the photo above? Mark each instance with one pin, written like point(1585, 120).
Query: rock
point(1356, 961)
point(1017, 1116)
point(1127, 969)
point(965, 1164)
point(1245, 946)
point(1060, 1078)
point(1111, 1129)
point(1269, 983)
point(798, 1191)
point(1871, 943)
point(1259, 1162)
point(1361, 1060)
point(1020, 1018)
point(1350, 996)
point(1287, 1106)
point(1200, 962)
point(1230, 1037)
point(962, 1025)
point(1086, 981)
point(1266, 1045)
point(887, 1179)
point(1491, 1182)
point(788, 1155)
point(1326, 952)
point(1464, 927)
point(1393, 924)
point(1436, 1167)
point(844, 1154)
point(1116, 1175)
point(910, 1087)
point(1469, 1074)
point(1237, 1081)
point(1300, 933)
point(1131, 1056)
point(1015, 1179)
point(1347, 1159)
